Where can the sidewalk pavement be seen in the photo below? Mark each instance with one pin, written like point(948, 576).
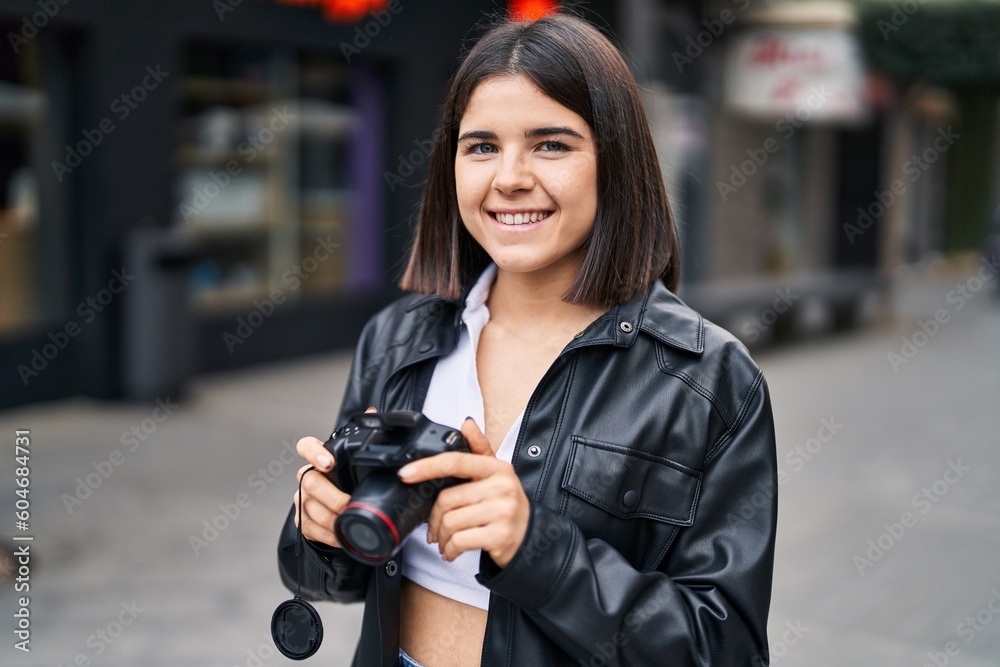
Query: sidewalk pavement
point(889, 528)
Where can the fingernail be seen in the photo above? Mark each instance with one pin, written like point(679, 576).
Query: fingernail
point(468, 418)
point(406, 471)
point(324, 461)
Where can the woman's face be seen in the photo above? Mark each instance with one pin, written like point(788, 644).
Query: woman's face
point(526, 177)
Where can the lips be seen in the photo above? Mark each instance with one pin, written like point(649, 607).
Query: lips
point(512, 218)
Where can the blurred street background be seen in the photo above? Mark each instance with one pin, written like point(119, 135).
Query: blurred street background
point(201, 203)
point(859, 443)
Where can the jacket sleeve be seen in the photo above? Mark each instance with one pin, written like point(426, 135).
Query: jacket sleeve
point(707, 603)
point(327, 573)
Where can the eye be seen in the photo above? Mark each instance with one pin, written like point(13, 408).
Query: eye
point(481, 148)
point(553, 147)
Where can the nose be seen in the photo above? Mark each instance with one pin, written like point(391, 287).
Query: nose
point(512, 174)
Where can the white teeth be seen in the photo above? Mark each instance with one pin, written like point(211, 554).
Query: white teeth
point(520, 218)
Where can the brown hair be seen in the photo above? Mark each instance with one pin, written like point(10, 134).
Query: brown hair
point(634, 238)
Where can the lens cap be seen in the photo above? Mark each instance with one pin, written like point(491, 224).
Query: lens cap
point(296, 629)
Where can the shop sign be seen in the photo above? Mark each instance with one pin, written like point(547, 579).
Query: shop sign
point(773, 72)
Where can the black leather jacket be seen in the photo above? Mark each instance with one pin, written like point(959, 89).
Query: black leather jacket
point(647, 452)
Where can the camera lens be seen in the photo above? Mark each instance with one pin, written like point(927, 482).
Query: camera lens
point(382, 512)
point(362, 536)
point(366, 534)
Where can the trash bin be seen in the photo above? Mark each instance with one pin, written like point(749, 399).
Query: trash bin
point(159, 335)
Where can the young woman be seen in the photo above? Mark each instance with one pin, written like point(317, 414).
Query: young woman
point(621, 505)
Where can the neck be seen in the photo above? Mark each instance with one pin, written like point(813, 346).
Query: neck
point(534, 301)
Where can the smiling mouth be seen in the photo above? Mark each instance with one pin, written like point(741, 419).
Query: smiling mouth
point(523, 218)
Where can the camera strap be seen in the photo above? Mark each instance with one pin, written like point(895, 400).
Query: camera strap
point(296, 627)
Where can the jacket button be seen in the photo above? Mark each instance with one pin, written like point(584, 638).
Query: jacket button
point(626, 327)
point(630, 499)
point(534, 451)
point(425, 346)
point(391, 568)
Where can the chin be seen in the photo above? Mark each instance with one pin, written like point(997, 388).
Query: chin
point(528, 265)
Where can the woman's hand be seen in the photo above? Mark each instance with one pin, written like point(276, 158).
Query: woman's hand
point(322, 502)
point(490, 512)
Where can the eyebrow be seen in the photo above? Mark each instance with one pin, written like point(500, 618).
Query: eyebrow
point(532, 133)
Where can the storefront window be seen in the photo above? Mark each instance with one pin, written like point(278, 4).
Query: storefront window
point(22, 116)
point(265, 172)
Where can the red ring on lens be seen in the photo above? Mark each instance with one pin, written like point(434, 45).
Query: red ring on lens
point(385, 519)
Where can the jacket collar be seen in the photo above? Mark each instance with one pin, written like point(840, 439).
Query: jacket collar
point(660, 314)
point(667, 318)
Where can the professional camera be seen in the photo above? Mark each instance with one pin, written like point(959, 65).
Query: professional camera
point(383, 510)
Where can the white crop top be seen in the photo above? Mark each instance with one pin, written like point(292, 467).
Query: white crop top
point(453, 395)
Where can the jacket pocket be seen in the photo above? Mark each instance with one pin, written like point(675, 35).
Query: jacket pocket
point(643, 498)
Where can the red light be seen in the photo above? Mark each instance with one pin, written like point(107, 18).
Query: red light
point(349, 11)
point(341, 11)
point(531, 10)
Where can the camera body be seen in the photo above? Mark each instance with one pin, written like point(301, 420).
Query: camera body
point(367, 451)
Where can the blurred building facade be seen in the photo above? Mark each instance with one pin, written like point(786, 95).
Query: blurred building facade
point(805, 161)
point(191, 186)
